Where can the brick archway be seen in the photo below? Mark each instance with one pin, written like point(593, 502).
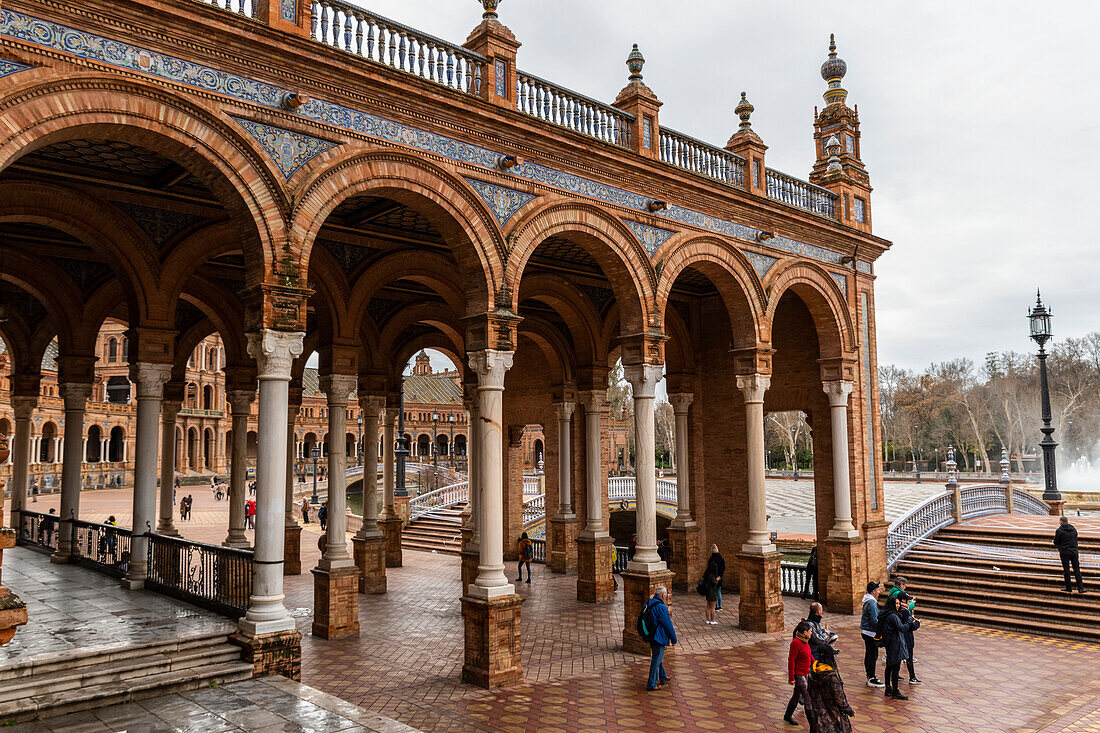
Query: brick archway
point(578, 313)
point(831, 315)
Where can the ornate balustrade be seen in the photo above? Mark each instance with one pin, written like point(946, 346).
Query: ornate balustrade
point(703, 158)
point(247, 8)
point(104, 548)
point(538, 551)
point(531, 485)
point(438, 499)
point(209, 576)
point(534, 509)
point(800, 194)
point(387, 42)
point(558, 106)
point(622, 557)
point(792, 578)
point(37, 529)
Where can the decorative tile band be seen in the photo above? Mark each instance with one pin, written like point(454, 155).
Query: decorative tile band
point(289, 7)
point(864, 266)
point(290, 150)
point(841, 281)
point(8, 67)
point(651, 237)
point(504, 202)
point(760, 263)
point(123, 55)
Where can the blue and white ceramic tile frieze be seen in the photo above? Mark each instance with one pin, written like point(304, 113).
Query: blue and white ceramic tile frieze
point(504, 202)
point(651, 237)
point(864, 266)
point(123, 55)
point(841, 281)
point(290, 150)
point(11, 67)
point(501, 73)
point(290, 8)
point(761, 263)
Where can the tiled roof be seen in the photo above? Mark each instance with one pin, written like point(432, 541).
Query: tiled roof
point(431, 390)
point(49, 359)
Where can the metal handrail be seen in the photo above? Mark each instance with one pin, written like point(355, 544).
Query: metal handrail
point(440, 498)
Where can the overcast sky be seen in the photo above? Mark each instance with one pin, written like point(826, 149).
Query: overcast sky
point(979, 130)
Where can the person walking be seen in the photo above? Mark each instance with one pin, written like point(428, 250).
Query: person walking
point(526, 553)
point(305, 511)
point(830, 704)
point(868, 629)
point(250, 514)
point(632, 547)
point(907, 617)
point(322, 516)
point(664, 635)
point(799, 662)
point(810, 588)
point(720, 562)
point(710, 588)
point(893, 630)
point(822, 636)
point(1065, 539)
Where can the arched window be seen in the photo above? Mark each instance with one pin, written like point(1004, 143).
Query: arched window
point(112, 350)
point(125, 349)
point(208, 397)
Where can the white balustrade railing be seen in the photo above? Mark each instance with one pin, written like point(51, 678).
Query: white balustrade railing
point(387, 42)
point(531, 486)
point(247, 8)
point(534, 509)
point(551, 103)
point(798, 193)
point(1025, 503)
point(620, 487)
point(666, 490)
point(703, 158)
point(439, 499)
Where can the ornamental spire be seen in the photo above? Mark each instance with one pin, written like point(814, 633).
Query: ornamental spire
point(634, 62)
point(490, 7)
point(833, 71)
point(744, 110)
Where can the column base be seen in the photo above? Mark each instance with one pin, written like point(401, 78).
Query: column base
point(470, 559)
point(240, 541)
point(1057, 507)
point(292, 549)
point(467, 536)
point(637, 589)
point(595, 583)
point(370, 558)
point(171, 531)
point(761, 605)
point(493, 644)
point(279, 653)
point(391, 530)
point(842, 574)
point(563, 545)
point(336, 603)
point(687, 560)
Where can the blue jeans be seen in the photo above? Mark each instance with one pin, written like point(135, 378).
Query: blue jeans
point(719, 604)
point(656, 666)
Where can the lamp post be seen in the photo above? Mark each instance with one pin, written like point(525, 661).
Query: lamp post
point(916, 453)
point(316, 454)
point(451, 443)
point(1039, 318)
point(359, 450)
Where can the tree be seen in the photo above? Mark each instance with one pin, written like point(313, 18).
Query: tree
point(664, 419)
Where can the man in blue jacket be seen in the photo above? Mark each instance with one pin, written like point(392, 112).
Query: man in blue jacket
point(868, 628)
point(663, 635)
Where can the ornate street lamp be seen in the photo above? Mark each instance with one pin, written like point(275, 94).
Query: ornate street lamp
point(435, 450)
point(1039, 318)
point(916, 453)
point(316, 455)
point(451, 442)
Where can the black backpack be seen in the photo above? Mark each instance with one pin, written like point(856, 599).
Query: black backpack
point(880, 637)
point(647, 625)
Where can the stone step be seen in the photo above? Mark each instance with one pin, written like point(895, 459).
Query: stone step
point(429, 547)
point(1010, 538)
point(997, 619)
point(118, 670)
point(1019, 583)
point(944, 558)
point(1031, 596)
point(961, 606)
point(110, 693)
point(62, 662)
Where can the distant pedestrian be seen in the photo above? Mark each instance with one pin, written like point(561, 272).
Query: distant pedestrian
point(662, 634)
point(526, 554)
point(305, 511)
point(322, 516)
point(710, 590)
point(632, 548)
point(907, 617)
point(720, 562)
point(190, 503)
point(250, 514)
point(868, 629)
point(822, 636)
point(830, 704)
point(799, 662)
point(1065, 539)
point(893, 632)
point(809, 590)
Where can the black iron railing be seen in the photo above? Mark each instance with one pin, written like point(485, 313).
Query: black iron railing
point(538, 548)
point(104, 548)
point(621, 558)
point(209, 576)
point(792, 578)
point(38, 530)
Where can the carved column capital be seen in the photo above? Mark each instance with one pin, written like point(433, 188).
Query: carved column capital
point(75, 394)
point(338, 387)
point(837, 392)
point(643, 379)
point(170, 409)
point(564, 410)
point(753, 386)
point(240, 401)
point(594, 400)
point(150, 379)
point(681, 401)
point(490, 366)
point(515, 435)
point(275, 352)
point(372, 406)
point(23, 406)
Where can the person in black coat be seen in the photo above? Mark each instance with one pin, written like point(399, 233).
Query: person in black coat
point(720, 567)
point(811, 575)
point(907, 617)
point(893, 630)
point(1065, 539)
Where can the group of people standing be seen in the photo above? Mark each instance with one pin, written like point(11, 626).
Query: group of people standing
point(890, 628)
point(185, 508)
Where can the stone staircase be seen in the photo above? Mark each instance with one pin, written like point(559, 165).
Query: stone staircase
point(1009, 579)
point(75, 681)
point(440, 531)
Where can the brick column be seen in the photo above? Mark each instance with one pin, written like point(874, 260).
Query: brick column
point(369, 542)
point(563, 525)
point(683, 532)
point(594, 545)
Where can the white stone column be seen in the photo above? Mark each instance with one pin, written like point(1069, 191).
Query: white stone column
point(291, 420)
point(643, 380)
point(373, 409)
point(388, 420)
point(274, 352)
point(680, 405)
point(490, 366)
point(842, 493)
point(473, 474)
point(564, 412)
point(595, 404)
point(75, 395)
point(169, 410)
point(337, 388)
point(240, 406)
point(23, 408)
point(150, 380)
point(753, 387)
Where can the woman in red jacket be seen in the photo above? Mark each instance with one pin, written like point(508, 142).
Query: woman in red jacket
point(799, 663)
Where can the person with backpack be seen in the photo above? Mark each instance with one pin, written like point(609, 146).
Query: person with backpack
point(655, 626)
point(322, 516)
point(892, 631)
point(868, 629)
point(526, 554)
point(830, 704)
point(710, 590)
point(720, 562)
point(907, 617)
point(799, 662)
